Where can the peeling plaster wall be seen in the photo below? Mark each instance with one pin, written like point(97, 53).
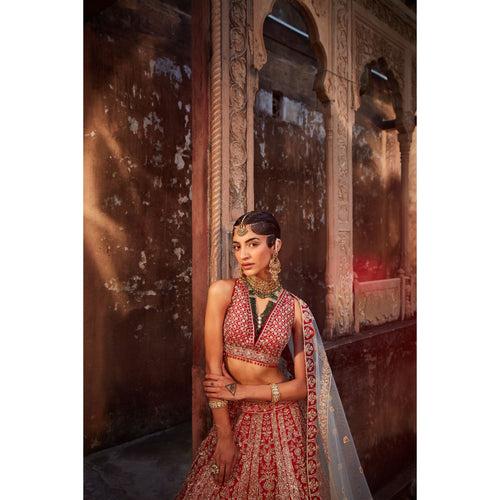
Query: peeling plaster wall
point(137, 220)
point(289, 166)
point(376, 199)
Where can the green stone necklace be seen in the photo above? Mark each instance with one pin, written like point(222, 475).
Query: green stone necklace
point(259, 318)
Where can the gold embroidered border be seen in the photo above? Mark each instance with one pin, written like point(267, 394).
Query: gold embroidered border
point(324, 400)
point(312, 462)
point(251, 354)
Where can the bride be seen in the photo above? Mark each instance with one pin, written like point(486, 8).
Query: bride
point(279, 429)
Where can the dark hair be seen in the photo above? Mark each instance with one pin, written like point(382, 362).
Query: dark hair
point(262, 223)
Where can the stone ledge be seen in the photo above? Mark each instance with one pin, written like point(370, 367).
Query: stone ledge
point(332, 345)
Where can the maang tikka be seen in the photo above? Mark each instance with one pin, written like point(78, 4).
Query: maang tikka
point(242, 229)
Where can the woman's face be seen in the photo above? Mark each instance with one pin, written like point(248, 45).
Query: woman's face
point(253, 254)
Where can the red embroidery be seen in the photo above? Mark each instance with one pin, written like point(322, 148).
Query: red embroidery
point(313, 472)
point(278, 446)
point(239, 332)
point(271, 440)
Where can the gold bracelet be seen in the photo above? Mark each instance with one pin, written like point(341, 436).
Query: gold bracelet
point(275, 393)
point(218, 403)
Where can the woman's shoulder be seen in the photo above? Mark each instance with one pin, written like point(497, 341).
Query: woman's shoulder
point(222, 288)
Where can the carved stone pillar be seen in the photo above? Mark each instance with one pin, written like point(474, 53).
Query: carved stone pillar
point(230, 130)
point(404, 147)
point(215, 141)
point(237, 121)
point(339, 271)
point(405, 137)
point(330, 225)
point(341, 154)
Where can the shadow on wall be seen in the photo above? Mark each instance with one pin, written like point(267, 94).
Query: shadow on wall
point(137, 220)
point(376, 171)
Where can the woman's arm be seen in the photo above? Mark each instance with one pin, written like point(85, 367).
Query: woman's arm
point(292, 390)
point(219, 297)
point(226, 452)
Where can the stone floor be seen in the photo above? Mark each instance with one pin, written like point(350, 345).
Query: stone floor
point(150, 468)
point(153, 468)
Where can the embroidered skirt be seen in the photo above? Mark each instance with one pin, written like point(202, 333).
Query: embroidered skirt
point(271, 464)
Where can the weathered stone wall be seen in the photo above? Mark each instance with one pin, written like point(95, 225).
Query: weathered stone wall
point(412, 209)
point(137, 219)
point(289, 168)
point(376, 379)
point(376, 191)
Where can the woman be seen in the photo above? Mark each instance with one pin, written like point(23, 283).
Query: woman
point(279, 428)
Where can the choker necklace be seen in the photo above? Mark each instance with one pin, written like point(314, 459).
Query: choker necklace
point(263, 288)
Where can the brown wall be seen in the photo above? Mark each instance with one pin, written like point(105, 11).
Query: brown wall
point(376, 379)
point(376, 186)
point(289, 169)
point(137, 219)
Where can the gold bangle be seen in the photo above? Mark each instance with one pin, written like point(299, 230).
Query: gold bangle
point(218, 403)
point(275, 393)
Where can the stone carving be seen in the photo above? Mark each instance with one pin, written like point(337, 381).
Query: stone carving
point(325, 86)
point(320, 7)
point(376, 302)
point(237, 106)
point(343, 283)
point(342, 20)
point(318, 11)
point(342, 175)
point(381, 10)
point(261, 8)
point(215, 141)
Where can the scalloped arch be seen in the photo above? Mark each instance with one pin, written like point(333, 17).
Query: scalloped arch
point(316, 14)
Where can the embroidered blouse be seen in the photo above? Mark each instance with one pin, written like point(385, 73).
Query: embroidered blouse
point(239, 330)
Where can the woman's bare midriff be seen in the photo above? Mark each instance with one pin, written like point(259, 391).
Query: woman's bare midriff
point(251, 374)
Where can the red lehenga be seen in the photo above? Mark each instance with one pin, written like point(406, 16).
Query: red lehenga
point(289, 449)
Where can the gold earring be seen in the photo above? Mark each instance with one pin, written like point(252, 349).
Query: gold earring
point(242, 274)
point(274, 267)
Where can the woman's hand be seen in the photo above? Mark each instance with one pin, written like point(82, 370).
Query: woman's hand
point(225, 456)
point(222, 386)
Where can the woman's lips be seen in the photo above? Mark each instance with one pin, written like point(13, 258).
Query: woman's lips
point(246, 266)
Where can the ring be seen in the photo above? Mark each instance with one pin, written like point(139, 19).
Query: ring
point(214, 469)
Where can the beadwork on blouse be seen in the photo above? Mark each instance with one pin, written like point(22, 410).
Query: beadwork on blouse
point(259, 319)
point(241, 338)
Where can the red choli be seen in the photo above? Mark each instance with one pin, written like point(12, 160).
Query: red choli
point(239, 329)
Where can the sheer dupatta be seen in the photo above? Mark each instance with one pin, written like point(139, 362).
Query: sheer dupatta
point(333, 467)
